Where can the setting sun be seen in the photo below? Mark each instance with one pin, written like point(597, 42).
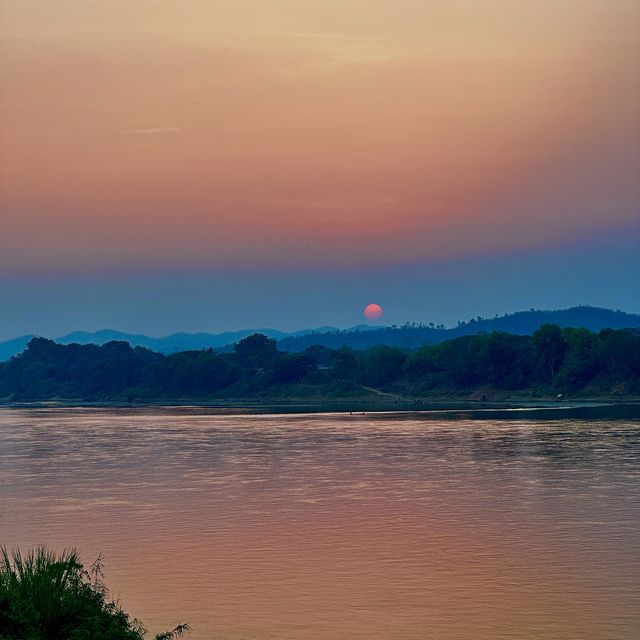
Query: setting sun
point(372, 311)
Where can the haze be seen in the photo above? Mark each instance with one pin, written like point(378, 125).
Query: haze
point(401, 151)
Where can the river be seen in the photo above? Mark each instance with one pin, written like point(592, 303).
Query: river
point(389, 526)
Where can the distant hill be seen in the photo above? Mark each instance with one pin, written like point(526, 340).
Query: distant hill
point(14, 346)
point(416, 335)
point(167, 345)
point(361, 336)
point(173, 343)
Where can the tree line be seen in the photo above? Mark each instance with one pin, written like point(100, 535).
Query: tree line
point(551, 360)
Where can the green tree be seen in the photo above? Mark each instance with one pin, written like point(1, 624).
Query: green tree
point(579, 365)
point(549, 349)
point(381, 366)
point(343, 364)
point(619, 351)
point(49, 596)
point(291, 368)
point(257, 350)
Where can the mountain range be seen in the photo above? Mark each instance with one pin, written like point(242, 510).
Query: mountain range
point(359, 337)
point(166, 344)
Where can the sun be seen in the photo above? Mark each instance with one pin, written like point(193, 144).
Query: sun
point(373, 311)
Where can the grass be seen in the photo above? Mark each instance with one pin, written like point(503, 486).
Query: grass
point(46, 595)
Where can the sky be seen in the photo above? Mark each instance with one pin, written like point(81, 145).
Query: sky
point(206, 165)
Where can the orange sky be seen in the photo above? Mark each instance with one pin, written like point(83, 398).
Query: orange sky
point(245, 132)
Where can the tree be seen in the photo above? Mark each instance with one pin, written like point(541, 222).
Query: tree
point(506, 359)
point(579, 364)
point(291, 368)
point(256, 349)
point(619, 351)
point(549, 348)
point(382, 365)
point(343, 364)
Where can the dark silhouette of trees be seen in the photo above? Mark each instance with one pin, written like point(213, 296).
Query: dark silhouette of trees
point(256, 350)
point(552, 360)
point(549, 348)
point(381, 366)
point(344, 364)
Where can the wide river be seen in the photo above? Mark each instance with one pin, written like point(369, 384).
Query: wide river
point(415, 526)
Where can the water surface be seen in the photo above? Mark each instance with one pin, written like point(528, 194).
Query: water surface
point(327, 527)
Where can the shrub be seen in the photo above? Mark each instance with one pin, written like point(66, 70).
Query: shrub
point(49, 596)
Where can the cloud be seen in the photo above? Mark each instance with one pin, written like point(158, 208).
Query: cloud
point(153, 131)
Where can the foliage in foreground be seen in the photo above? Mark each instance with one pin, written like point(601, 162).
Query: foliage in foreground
point(49, 596)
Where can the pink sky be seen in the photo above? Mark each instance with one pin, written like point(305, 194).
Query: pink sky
point(161, 133)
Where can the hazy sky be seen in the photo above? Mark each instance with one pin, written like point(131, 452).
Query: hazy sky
point(257, 152)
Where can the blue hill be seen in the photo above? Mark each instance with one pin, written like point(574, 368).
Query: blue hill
point(359, 337)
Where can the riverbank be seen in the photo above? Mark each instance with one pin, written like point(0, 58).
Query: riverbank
point(436, 407)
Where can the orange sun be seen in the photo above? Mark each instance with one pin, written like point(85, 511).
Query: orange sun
point(372, 311)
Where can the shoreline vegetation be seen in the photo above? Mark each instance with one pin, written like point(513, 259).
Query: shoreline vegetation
point(51, 596)
point(550, 366)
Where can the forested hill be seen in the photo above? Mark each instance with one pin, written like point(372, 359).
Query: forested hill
point(551, 361)
point(360, 337)
point(415, 335)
